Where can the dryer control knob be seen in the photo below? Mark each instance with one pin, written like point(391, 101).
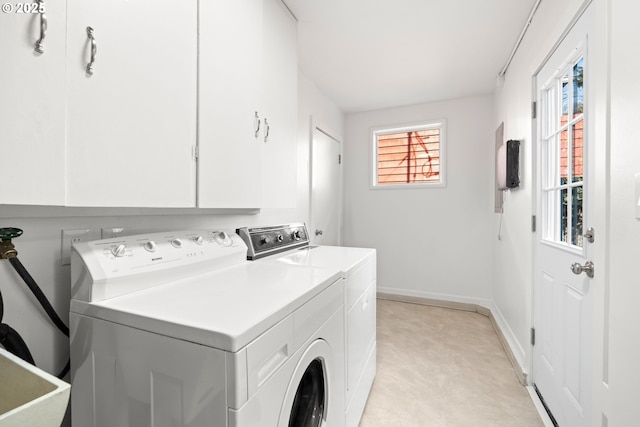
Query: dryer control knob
point(264, 240)
point(176, 243)
point(199, 240)
point(296, 235)
point(150, 246)
point(279, 238)
point(119, 251)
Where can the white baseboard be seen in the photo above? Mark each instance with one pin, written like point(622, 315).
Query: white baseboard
point(486, 307)
point(515, 352)
point(483, 302)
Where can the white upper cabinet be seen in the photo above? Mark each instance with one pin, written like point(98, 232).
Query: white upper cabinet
point(280, 106)
point(131, 124)
point(141, 103)
point(247, 119)
point(32, 105)
point(229, 116)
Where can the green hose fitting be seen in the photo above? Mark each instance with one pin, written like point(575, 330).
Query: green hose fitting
point(7, 250)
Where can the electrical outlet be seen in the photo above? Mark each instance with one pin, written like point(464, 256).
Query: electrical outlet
point(111, 232)
point(70, 237)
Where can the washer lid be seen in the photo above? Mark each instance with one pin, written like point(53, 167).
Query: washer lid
point(226, 309)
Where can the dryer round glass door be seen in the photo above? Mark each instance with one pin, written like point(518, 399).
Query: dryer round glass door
point(309, 402)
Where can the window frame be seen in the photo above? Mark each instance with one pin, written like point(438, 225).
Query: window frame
point(401, 128)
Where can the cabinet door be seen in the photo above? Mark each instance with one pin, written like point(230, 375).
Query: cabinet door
point(280, 100)
point(131, 124)
point(230, 63)
point(32, 106)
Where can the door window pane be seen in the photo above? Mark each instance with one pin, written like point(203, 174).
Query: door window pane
point(564, 156)
point(577, 153)
point(576, 216)
point(550, 156)
point(565, 94)
point(578, 88)
point(564, 219)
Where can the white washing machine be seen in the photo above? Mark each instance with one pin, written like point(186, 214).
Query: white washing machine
point(358, 272)
point(178, 329)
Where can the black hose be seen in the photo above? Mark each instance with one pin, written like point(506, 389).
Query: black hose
point(65, 370)
point(14, 344)
point(10, 339)
point(40, 296)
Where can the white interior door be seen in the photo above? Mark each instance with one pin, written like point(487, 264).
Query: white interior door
point(325, 189)
point(562, 354)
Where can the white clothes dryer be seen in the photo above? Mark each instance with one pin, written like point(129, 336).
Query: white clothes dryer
point(178, 329)
point(357, 267)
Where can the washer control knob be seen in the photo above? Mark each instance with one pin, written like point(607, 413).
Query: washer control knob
point(150, 246)
point(220, 237)
point(119, 251)
point(176, 243)
point(199, 240)
point(279, 238)
point(264, 240)
point(295, 235)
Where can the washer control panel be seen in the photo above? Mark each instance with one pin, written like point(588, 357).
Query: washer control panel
point(141, 249)
point(126, 264)
point(264, 241)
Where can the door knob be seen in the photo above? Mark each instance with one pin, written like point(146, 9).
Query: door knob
point(587, 268)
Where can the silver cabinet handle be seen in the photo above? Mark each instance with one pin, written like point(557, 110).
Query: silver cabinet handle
point(94, 50)
point(266, 131)
point(257, 126)
point(39, 46)
point(587, 268)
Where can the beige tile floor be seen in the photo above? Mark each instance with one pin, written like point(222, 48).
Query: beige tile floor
point(443, 367)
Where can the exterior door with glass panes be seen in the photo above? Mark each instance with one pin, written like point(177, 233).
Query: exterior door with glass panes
point(562, 353)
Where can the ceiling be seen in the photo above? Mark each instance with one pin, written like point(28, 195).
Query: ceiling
point(372, 54)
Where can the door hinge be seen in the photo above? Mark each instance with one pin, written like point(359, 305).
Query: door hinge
point(533, 223)
point(533, 109)
point(195, 150)
point(533, 336)
point(339, 159)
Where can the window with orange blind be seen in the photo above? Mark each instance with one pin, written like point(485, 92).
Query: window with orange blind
point(410, 155)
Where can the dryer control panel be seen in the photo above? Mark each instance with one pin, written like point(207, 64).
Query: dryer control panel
point(111, 267)
point(264, 241)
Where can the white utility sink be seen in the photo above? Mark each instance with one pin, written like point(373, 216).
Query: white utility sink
point(29, 396)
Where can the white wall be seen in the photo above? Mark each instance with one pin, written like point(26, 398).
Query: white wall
point(512, 261)
point(331, 120)
point(39, 247)
point(436, 242)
